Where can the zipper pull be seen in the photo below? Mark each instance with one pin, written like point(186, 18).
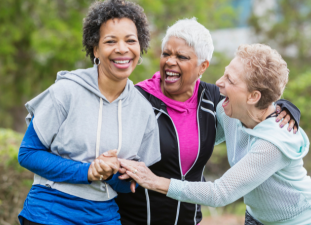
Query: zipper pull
point(183, 177)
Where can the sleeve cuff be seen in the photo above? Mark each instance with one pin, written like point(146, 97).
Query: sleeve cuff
point(175, 189)
point(84, 173)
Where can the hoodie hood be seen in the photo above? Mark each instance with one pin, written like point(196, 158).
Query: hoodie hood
point(294, 146)
point(88, 78)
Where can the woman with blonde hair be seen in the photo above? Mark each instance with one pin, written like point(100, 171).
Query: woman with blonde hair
point(266, 163)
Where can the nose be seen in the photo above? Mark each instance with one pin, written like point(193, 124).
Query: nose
point(171, 61)
point(122, 47)
point(219, 82)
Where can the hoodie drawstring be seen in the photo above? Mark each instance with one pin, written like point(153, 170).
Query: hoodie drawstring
point(99, 126)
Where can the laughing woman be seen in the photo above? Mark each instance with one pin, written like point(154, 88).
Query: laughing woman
point(267, 163)
point(86, 113)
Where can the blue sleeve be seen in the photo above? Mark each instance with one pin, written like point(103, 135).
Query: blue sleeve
point(121, 186)
point(34, 156)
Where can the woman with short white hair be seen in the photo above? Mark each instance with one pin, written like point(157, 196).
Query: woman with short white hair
point(185, 109)
point(267, 164)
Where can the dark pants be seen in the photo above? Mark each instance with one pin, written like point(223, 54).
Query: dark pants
point(249, 220)
point(27, 222)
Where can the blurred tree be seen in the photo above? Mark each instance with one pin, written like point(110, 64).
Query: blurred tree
point(41, 37)
point(286, 27)
point(38, 38)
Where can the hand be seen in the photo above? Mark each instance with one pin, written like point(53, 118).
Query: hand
point(285, 115)
point(144, 176)
point(103, 167)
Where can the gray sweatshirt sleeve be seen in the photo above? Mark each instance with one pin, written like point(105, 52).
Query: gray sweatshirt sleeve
point(149, 151)
point(48, 117)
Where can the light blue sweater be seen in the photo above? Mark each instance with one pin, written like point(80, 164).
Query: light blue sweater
point(267, 169)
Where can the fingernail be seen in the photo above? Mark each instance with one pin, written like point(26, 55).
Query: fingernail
point(295, 132)
point(281, 125)
point(105, 153)
point(101, 161)
point(277, 120)
point(289, 129)
point(93, 163)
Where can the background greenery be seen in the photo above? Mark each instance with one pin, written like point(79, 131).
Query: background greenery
point(41, 37)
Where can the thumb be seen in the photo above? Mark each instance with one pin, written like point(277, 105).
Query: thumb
point(111, 153)
point(133, 186)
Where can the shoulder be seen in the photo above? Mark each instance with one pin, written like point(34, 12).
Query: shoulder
point(141, 98)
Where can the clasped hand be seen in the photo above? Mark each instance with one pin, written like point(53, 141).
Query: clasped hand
point(104, 166)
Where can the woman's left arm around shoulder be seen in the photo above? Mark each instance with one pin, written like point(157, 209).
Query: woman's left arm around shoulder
point(289, 113)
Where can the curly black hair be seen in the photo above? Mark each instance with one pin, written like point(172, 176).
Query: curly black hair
point(100, 12)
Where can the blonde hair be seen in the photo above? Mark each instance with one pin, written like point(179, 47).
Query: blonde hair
point(266, 72)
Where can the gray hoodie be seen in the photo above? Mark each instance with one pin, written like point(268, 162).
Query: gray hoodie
point(75, 121)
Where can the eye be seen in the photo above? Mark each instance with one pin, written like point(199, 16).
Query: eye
point(182, 57)
point(229, 80)
point(131, 41)
point(165, 54)
point(110, 42)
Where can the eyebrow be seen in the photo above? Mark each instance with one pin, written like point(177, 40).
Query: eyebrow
point(112, 36)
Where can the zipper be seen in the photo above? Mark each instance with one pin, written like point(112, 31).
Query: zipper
point(198, 122)
point(183, 176)
point(148, 207)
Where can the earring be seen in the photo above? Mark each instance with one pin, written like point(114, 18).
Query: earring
point(141, 60)
point(96, 62)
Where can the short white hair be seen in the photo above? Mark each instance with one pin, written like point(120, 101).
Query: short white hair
point(196, 36)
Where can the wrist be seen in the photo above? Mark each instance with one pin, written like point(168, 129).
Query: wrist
point(162, 185)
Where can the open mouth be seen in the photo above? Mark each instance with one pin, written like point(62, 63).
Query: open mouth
point(121, 61)
point(171, 77)
point(121, 64)
point(226, 102)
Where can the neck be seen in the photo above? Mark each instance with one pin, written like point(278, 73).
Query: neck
point(111, 89)
point(179, 97)
point(254, 116)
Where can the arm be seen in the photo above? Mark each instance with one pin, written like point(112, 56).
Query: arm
point(255, 168)
point(34, 156)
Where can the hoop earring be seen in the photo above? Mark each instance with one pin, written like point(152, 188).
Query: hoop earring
point(141, 60)
point(96, 62)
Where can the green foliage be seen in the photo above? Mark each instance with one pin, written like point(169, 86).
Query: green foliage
point(9, 145)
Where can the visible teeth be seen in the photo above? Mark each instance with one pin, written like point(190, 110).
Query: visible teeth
point(172, 74)
point(121, 61)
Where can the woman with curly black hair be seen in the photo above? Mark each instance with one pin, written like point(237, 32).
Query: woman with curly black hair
point(83, 116)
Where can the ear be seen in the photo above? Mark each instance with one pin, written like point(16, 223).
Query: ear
point(204, 65)
point(95, 51)
point(254, 97)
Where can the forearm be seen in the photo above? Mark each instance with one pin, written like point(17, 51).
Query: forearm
point(53, 167)
point(161, 185)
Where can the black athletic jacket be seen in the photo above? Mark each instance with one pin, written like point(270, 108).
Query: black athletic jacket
point(147, 207)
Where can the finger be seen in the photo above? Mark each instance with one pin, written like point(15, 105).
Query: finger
point(111, 153)
point(285, 121)
point(127, 166)
point(281, 116)
point(133, 186)
point(295, 129)
point(97, 166)
point(114, 166)
point(278, 109)
point(124, 177)
point(94, 171)
point(134, 176)
point(107, 170)
point(291, 125)
point(122, 170)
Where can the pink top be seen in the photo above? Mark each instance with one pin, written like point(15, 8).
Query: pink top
point(184, 116)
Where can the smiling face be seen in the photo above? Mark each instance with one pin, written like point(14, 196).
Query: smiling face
point(118, 49)
point(233, 86)
point(179, 69)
